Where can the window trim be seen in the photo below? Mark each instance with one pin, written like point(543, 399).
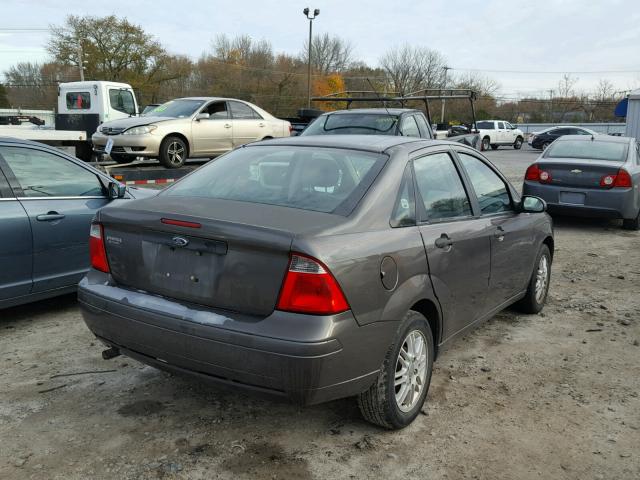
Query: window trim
point(16, 188)
point(476, 203)
point(421, 211)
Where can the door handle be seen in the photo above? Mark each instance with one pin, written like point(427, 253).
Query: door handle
point(499, 234)
point(444, 242)
point(227, 125)
point(49, 216)
point(261, 124)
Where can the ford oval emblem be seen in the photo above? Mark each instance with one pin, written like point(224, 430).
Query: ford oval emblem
point(180, 241)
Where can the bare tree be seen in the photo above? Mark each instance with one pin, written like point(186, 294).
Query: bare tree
point(413, 68)
point(328, 54)
point(604, 90)
point(483, 85)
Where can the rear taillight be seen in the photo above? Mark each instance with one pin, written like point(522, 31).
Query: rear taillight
point(97, 252)
point(310, 288)
point(535, 174)
point(622, 179)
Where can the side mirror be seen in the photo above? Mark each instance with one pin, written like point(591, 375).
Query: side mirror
point(116, 190)
point(532, 204)
point(202, 116)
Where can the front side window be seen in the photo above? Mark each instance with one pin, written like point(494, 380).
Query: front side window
point(440, 187)
point(493, 195)
point(501, 125)
point(43, 174)
point(122, 101)
point(240, 111)
point(78, 100)
point(326, 180)
point(410, 127)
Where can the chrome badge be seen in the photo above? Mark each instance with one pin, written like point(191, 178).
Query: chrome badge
point(180, 241)
point(576, 170)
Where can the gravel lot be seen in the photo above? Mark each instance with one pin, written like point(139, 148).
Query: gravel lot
point(552, 396)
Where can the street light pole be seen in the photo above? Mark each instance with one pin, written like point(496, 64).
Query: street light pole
point(310, 16)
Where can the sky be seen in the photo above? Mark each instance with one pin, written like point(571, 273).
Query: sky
point(525, 47)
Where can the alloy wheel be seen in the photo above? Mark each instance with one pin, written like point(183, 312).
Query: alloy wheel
point(411, 371)
point(175, 152)
point(542, 278)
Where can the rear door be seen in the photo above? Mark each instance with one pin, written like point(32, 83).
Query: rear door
point(248, 125)
point(15, 244)
point(213, 135)
point(512, 247)
point(60, 197)
point(457, 244)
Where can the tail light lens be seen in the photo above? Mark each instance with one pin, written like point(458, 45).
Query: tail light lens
point(536, 174)
point(622, 179)
point(97, 252)
point(310, 288)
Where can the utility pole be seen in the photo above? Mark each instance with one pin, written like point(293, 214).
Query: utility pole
point(316, 12)
point(81, 62)
point(444, 86)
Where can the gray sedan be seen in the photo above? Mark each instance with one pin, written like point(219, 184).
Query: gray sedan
point(594, 176)
point(47, 201)
point(318, 267)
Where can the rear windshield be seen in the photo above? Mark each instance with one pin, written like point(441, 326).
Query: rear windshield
point(353, 124)
point(594, 150)
point(321, 179)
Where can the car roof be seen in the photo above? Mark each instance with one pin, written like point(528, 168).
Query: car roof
point(595, 138)
point(369, 143)
point(207, 99)
point(374, 111)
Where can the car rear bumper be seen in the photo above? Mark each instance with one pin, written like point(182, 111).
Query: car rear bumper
point(605, 203)
point(309, 359)
point(134, 145)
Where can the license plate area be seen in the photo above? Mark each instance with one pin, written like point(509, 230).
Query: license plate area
point(572, 198)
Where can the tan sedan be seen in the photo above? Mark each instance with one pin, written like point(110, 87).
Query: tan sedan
point(188, 127)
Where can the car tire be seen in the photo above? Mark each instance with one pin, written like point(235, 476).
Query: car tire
point(494, 146)
point(173, 152)
point(545, 145)
point(382, 403)
point(632, 223)
point(486, 143)
point(518, 143)
point(538, 287)
point(121, 158)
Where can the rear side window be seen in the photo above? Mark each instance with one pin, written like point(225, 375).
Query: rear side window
point(319, 179)
point(404, 212)
point(485, 125)
point(78, 100)
point(491, 191)
point(424, 127)
point(122, 101)
point(43, 174)
point(587, 150)
point(440, 187)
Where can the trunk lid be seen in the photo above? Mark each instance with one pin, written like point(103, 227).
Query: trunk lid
point(578, 172)
point(236, 260)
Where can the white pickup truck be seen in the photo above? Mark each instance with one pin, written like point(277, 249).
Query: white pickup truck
point(82, 107)
point(496, 133)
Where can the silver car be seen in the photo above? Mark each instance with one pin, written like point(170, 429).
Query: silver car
point(594, 176)
point(188, 127)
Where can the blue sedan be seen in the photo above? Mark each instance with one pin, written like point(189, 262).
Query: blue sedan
point(47, 201)
point(594, 176)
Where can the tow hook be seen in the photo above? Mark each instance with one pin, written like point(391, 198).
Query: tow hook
point(110, 353)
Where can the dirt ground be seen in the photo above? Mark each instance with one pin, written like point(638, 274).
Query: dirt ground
point(549, 396)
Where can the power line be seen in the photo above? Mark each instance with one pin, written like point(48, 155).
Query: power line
point(546, 72)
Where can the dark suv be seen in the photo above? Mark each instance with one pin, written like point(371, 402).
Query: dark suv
point(542, 140)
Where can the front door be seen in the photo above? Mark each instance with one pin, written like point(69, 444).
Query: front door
point(213, 135)
point(512, 239)
point(457, 244)
point(15, 245)
point(60, 198)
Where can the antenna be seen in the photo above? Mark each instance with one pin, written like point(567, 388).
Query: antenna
point(384, 104)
